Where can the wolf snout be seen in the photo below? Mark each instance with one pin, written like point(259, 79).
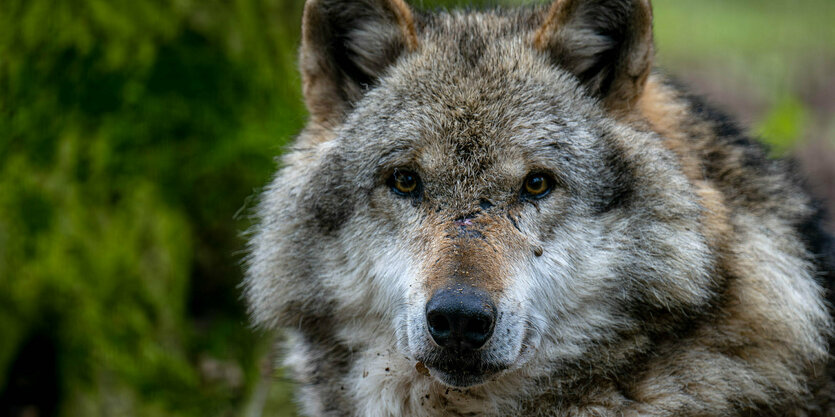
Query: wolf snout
point(460, 318)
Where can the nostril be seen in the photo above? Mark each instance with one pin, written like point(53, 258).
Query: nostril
point(476, 330)
point(438, 324)
point(477, 327)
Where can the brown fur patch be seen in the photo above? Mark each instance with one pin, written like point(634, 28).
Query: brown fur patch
point(658, 106)
point(406, 22)
point(557, 16)
point(473, 252)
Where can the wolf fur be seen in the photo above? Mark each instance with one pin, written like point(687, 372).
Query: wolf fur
point(672, 270)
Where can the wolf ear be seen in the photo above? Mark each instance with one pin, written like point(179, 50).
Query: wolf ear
point(607, 44)
point(346, 45)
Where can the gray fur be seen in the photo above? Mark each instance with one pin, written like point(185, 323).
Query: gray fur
point(665, 274)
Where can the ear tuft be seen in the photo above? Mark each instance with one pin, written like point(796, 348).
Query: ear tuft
point(607, 44)
point(346, 46)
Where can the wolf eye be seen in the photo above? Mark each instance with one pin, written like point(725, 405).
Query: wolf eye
point(536, 186)
point(404, 182)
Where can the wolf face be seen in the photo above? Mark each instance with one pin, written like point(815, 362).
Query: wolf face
point(523, 209)
point(474, 196)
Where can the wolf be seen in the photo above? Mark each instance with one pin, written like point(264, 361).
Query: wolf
point(511, 212)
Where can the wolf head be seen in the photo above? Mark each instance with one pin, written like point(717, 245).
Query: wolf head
point(470, 193)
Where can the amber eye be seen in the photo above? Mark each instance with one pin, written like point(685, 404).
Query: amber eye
point(536, 186)
point(404, 182)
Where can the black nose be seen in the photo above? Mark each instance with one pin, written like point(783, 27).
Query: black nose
point(461, 317)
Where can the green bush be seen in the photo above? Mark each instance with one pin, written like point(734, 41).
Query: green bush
point(132, 134)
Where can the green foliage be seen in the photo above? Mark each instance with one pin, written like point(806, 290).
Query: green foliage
point(132, 135)
point(784, 124)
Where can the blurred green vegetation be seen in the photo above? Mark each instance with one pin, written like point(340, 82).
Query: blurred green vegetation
point(770, 62)
point(133, 136)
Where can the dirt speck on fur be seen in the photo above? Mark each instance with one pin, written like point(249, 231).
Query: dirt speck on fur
point(422, 369)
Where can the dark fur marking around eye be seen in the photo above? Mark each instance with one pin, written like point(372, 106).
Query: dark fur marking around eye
point(406, 183)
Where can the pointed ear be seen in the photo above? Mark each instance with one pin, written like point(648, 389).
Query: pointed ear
point(607, 44)
point(346, 45)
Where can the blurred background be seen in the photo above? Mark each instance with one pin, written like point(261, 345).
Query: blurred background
point(134, 137)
